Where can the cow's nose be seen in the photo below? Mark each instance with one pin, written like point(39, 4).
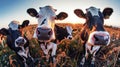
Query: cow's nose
point(44, 33)
point(21, 40)
point(99, 38)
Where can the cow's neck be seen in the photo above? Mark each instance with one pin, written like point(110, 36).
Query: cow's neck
point(46, 48)
point(45, 43)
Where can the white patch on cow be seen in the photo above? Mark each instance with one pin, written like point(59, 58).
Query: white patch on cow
point(52, 46)
point(94, 48)
point(47, 13)
point(102, 33)
point(69, 30)
point(35, 35)
point(14, 25)
point(23, 52)
point(92, 51)
point(94, 11)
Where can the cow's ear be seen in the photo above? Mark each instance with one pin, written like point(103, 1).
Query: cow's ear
point(107, 12)
point(61, 16)
point(32, 12)
point(4, 31)
point(79, 13)
point(25, 23)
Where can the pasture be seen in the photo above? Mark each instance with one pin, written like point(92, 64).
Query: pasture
point(68, 51)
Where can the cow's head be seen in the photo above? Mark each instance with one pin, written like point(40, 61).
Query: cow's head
point(62, 33)
point(46, 21)
point(94, 23)
point(14, 34)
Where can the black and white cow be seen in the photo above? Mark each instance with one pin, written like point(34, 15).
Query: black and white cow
point(17, 41)
point(93, 33)
point(62, 33)
point(46, 30)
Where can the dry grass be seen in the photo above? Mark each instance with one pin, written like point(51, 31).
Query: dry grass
point(72, 49)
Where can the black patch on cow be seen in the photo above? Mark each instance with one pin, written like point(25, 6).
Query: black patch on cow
point(43, 22)
point(4, 31)
point(60, 32)
point(95, 21)
point(25, 23)
point(61, 16)
point(13, 35)
point(32, 12)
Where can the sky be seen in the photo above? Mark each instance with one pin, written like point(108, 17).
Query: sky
point(16, 10)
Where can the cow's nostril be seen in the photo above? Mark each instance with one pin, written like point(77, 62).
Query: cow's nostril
point(17, 42)
point(98, 37)
point(50, 32)
point(22, 40)
point(70, 38)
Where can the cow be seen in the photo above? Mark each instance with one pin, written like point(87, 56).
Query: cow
point(47, 31)
point(18, 42)
point(62, 33)
point(93, 33)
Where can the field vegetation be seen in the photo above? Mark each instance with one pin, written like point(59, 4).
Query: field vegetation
point(69, 52)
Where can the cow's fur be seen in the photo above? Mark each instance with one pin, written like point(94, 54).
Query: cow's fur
point(93, 33)
point(18, 42)
point(45, 31)
point(62, 33)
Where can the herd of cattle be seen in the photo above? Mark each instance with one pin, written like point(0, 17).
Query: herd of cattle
point(48, 34)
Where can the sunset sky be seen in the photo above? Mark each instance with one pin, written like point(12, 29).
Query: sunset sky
point(16, 10)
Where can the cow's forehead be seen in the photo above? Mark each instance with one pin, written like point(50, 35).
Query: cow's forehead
point(47, 11)
point(94, 11)
point(46, 16)
point(14, 25)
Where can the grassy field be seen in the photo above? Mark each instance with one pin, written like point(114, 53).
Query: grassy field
point(69, 52)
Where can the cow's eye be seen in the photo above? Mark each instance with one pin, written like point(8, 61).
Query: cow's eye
point(40, 16)
point(53, 18)
point(38, 32)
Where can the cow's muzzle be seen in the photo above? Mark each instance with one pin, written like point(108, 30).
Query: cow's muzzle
point(44, 33)
point(99, 38)
point(20, 42)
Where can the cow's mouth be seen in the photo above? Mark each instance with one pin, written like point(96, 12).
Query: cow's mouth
point(44, 33)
